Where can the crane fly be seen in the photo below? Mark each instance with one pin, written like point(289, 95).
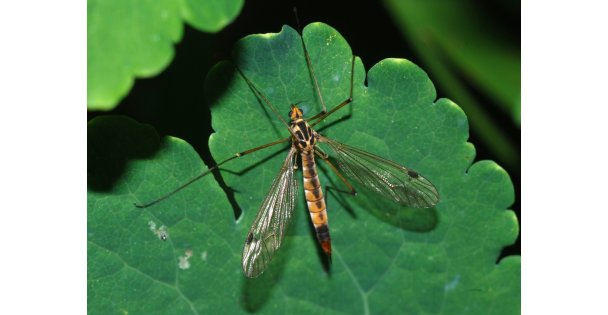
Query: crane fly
point(388, 179)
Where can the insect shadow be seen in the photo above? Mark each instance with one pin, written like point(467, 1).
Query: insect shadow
point(255, 292)
point(410, 219)
point(259, 162)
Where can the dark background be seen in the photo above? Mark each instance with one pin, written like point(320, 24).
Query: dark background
point(173, 102)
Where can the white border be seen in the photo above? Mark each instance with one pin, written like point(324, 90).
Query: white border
point(43, 157)
point(564, 157)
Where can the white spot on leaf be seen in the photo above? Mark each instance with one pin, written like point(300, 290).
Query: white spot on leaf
point(184, 261)
point(452, 284)
point(161, 232)
point(330, 39)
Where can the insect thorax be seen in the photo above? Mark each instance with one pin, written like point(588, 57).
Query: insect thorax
point(305, 138)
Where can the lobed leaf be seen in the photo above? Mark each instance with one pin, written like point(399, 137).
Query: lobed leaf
point(466, 54)
point(129, 38)
point(387, 259)
point(131, 269)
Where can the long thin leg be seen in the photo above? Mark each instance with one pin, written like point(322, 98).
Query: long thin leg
point(209, 170)
point(318, 118)
point(330, 189)
point(325, 158)
point(309, 63)
point(259, 94)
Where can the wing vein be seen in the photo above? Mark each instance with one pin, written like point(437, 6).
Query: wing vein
point(270, 224)
point(384, 177)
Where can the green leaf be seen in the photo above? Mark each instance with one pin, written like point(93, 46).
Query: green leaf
point(131, 270)
point(129, 38)
point(386, 259)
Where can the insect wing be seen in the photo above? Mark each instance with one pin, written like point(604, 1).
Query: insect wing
point(268, 229)
point(387, 178)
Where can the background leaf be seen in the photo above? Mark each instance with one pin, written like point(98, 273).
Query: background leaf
point(128, 39)
point(130, 269)
point(469, 55)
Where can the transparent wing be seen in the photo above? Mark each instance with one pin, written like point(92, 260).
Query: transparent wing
point(387, 178)
point(268, 229)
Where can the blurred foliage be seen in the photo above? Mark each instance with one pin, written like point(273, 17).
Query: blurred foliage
point(468, 54)
point(132, 38)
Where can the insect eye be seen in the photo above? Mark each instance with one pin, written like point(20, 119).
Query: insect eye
point(290, 112)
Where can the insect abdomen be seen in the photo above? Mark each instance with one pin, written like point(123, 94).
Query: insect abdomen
point(315, 201)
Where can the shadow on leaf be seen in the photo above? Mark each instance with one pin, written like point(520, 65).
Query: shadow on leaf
point(411, 219)
point(259, 162)
point(256, 292)
point(111, 142)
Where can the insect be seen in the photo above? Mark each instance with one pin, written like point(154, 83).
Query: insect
point(388, 179)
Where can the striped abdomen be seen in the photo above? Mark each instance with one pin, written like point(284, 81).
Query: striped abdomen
point(315, 200)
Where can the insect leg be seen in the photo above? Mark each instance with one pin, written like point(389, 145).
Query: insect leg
point(325, 157)
point(259, 94)
point(209, 170)
point(319, 117)
point(310, 68)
